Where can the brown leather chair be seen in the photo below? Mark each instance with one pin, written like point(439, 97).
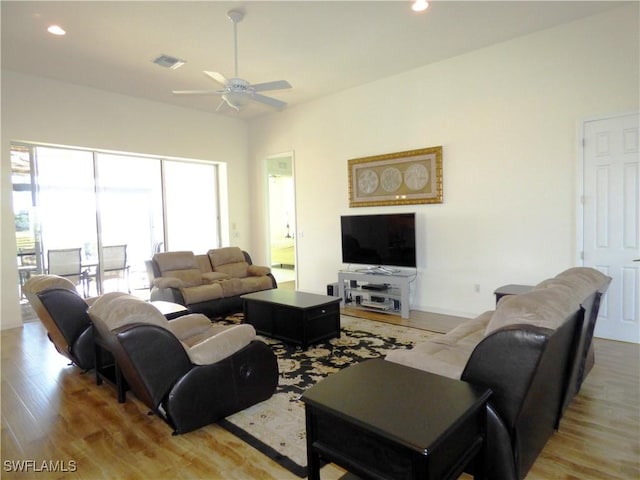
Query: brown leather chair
point(64, 314)
point(188, 371)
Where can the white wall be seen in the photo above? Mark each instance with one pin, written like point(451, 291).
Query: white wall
point(41, 110)
point(506, 117)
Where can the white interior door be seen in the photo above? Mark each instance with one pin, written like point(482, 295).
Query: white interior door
point(611, 220)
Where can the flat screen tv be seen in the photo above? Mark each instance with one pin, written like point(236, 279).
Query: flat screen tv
point(380, 240)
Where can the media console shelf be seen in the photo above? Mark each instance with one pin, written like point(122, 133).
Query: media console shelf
point(386, 293)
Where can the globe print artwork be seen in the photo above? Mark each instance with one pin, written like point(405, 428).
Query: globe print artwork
point(416, 177)
point(368, 181)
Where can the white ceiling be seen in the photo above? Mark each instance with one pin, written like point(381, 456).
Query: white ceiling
point(319, 47)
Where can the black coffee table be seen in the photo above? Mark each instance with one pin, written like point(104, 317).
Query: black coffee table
point(382, 420)
point(295, 317)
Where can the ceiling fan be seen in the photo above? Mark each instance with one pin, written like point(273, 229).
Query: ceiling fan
point(237, 92)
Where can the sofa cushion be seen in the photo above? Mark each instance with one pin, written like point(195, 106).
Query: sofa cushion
point(235, 270)
point(203, 262)
point(181, 260)
point(117, 309)
point(229, 260)
point(446, 355)
point(189, 328)
point(212, 277)
point(190, 278)
point(431, 357)
point(201, 293)
point(544, 307)
point(255, 284)
point(38, 283)
point(168, 282)
point(232, 287)
point(181, 265)
point(581, 282)
point(468, 333)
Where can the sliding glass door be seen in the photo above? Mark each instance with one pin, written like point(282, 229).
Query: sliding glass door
point(105, 204)
point(192, 206)
point(66, 211)
point(130, 215)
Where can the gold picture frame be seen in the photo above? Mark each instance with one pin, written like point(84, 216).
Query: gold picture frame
point(403, 178)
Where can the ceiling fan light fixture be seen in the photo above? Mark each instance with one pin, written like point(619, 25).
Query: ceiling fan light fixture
point(419, 5)
point(236, 100)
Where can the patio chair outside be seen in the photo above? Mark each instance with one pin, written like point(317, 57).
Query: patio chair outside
point(67, 262)
point(114, 264)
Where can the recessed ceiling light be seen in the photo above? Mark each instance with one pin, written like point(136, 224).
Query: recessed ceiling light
point(56, 30)
point(420, 5)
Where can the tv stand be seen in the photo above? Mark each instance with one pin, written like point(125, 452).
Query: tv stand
point(380, 270)
point(353, 291)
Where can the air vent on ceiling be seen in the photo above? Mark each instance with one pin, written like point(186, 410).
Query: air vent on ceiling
point(167, 61)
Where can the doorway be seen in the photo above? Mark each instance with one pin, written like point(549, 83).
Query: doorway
point(282, 219)
point(611, 219)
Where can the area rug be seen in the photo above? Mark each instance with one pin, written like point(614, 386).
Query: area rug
point(276, 427)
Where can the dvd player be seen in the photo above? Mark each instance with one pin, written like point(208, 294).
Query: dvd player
point(375, 286)
point(376, 305)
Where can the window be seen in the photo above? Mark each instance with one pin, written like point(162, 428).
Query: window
point(74, 198)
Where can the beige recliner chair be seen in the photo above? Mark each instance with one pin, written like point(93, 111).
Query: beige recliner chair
point(242, 277)
point(188, 371)
point(63, 312)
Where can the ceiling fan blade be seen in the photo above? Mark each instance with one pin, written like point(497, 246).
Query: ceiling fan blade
point(272, 102)
point(198, 92)
point(218, 77)
point(220, 105)
point(277, 85)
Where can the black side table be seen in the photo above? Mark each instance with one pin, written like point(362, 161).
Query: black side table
point(511, 289)
point(382, 420)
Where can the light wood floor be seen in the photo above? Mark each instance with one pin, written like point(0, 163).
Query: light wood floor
point(53, 413)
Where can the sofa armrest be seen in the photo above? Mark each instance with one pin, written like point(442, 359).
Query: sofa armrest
point(527, 369)
point(151, 359)
point(172, 295)
point(258, 271)
point(222, 345)
point(506, 361)
point(168, 282)
point(189, 325)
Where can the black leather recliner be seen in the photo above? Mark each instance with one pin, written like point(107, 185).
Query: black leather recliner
point(188, 371)
point(526, 368)
point(63, 312)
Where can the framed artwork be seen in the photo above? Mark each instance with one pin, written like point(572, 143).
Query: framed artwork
point(403, 178)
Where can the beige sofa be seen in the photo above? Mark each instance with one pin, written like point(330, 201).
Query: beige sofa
point(534, 351)
point(211, 283)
